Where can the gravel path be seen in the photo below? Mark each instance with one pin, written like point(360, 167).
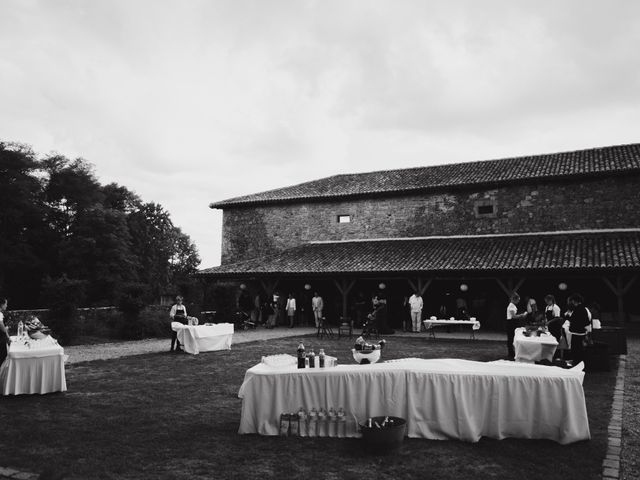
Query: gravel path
point(105, 351)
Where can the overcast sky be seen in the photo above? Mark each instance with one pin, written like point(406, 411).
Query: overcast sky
point(189, 102)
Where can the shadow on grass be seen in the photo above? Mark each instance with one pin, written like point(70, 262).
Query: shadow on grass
point(176, 416)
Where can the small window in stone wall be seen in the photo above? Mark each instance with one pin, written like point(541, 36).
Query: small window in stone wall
point(485, 208)
point(344, 218)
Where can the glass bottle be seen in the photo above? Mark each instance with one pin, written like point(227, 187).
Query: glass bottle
point(321, 358)
point(313, 423)
point(312, 359)
point(301, 355)
point(341, 423)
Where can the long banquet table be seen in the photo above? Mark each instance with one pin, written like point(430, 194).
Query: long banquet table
point(440, 399)
point(430, 323)
point(204, 338)
point(36, 368)
point(533, 349)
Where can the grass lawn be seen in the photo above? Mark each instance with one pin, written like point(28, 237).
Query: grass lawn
point(176, 416)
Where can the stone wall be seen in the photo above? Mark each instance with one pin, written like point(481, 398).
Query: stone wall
point(250, 232)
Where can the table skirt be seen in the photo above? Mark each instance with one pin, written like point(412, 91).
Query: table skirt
point(33, 375)
point(204, 338)
point(441, 399)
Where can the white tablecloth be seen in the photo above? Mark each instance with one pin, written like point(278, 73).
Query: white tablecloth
point(441, 399)
point(431, 323)
point(533, 349)
point(204, 338)
point(35, 369)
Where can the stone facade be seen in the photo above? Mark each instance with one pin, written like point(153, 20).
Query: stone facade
point(608, 202)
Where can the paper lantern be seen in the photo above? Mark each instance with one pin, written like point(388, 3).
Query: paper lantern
point(382, 286)
point(464, 287)
point(307, 286)
point(562, 286)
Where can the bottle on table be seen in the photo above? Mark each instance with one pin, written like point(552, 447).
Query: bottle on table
point(321, 358)
point(312, 359)
point(20, 329)
point(301, 355)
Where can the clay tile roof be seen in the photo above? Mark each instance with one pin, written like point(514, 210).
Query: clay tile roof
point(592, 250)
point(596, 161)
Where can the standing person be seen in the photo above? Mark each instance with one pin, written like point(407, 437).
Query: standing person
point(291, 309)
point(552, 310)
point(415, 304)
point(513, 322)
point(178, 313)
point(317, 305)
point(5, 341)
point(578, 317)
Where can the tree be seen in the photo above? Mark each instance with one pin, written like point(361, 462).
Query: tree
point(24, 232)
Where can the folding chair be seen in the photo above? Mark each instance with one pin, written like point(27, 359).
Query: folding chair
point(324, 329)
point(346, 327)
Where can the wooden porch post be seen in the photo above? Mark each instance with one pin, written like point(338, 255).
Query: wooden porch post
point(620, 289)
point(510, 287)
point(269, 286)
point(421, 286)
point(344, 286)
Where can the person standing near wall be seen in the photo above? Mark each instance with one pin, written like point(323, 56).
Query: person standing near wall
point(178, 313)
point(291, 309)
point(579, 320)
point(415, 304)
point(5, 341)
point(317, 304)
point(513, 322)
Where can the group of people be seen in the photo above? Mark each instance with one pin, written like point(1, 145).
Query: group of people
point(270, 312)
point(576, 314)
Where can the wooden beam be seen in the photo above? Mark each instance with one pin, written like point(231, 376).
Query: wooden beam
point(269, 286)
point(629, 284)
point(422, 287)
point(344, 286)
point(504, 288)
point(412, 285)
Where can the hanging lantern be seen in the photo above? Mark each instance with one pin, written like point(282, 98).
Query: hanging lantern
point(243, 286)
point(307, 286)
point(464, 287)
point(562, 286)
point(382, 286)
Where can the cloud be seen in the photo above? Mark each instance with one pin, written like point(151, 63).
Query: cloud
point(192, 102)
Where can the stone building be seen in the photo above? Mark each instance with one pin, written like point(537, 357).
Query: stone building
point(471, 232)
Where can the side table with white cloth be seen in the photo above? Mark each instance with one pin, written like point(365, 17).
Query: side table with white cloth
point(34, 366)
point(440, 399)
point(433, 322)
point(534, 348)
point(204, 338)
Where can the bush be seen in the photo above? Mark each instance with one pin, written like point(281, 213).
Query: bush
point(62, 296)
point(131, 303)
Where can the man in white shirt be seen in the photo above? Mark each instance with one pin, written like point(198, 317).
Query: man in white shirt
point(317, 305)
point(416, 304)
point(513, 322)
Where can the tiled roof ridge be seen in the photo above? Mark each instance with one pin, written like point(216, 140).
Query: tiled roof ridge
point(585, 162)
point(485, 235)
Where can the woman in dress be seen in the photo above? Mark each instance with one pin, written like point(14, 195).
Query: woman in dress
point(5, 341)
point(291, 309)
point(178, 313)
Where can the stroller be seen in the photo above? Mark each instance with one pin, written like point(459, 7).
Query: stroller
point(243, 321)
